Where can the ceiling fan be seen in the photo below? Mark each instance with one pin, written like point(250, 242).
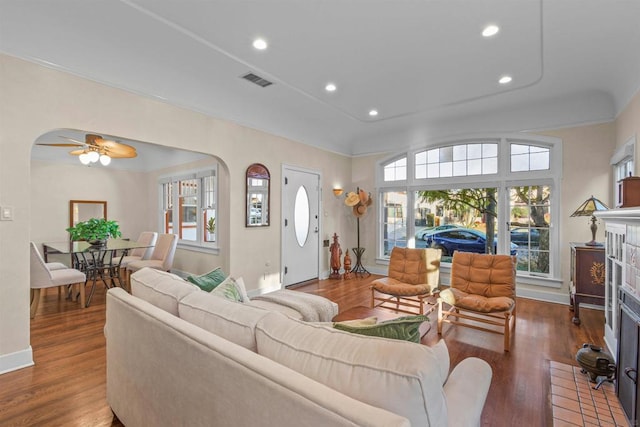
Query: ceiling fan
point(96, 148)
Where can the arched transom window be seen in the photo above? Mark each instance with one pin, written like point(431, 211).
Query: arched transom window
point(457, 160)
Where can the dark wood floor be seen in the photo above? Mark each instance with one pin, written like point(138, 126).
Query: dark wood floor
point(66, 387)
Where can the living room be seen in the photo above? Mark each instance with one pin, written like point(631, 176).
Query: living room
point(37, 99)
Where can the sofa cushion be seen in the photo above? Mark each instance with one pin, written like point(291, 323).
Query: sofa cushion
point(399, 376)
point(160, 288)
point(313, 308)
point(272, 306)
point(208, 281)
point(442, 355)
point(403, 328)
point(233, 321)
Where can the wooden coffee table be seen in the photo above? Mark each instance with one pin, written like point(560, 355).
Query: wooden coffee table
point(361, 312)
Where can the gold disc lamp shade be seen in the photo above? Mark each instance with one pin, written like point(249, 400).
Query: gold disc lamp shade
point(590, 206)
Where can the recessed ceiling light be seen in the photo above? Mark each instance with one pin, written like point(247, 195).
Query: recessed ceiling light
point(330, 87)
point(373, 113)
point(504, 80)
point(490, 30)
point(260, 44)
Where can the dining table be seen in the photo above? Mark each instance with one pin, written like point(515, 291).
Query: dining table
point(98, 262)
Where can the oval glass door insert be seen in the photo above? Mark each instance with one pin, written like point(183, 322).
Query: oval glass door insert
point(301, 216)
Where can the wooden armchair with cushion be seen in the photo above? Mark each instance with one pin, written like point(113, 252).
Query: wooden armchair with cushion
point(413, 276)
point(483, 291)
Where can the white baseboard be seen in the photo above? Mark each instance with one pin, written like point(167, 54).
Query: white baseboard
point(543, 295)
point(376, 269)
point(17, 360)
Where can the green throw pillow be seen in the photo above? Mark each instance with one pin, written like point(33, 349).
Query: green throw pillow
point(403, 328)
point(208, 282)
point(231, 289)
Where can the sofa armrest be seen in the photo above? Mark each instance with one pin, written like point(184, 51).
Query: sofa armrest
point(466, 391)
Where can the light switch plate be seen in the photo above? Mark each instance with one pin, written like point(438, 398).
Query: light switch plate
point(6, 213)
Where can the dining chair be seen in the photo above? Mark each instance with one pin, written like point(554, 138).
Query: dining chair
point(43, 277)
point(161, 257)
point(148, 240)
point(56, 266)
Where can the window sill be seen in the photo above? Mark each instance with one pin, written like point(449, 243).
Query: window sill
point(194, 247)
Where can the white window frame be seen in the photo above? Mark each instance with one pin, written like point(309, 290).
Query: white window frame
point(199, 244)
point(620, 160)
point(502, 180)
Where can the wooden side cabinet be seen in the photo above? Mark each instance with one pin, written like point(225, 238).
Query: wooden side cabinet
point(587, 277)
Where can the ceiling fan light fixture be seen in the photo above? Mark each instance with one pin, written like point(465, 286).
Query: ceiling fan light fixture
point(93, 156)
point(105, 159)
point(84, 158)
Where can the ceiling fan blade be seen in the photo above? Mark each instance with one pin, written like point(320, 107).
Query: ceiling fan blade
point(73, 140)
point(60, 145)
point(116, 149)
point(123, 155)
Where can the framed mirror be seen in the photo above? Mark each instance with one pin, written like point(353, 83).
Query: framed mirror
point(83, 210)
point(258, 192)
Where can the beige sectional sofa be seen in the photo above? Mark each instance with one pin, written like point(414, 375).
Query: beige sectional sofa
point(179, 356)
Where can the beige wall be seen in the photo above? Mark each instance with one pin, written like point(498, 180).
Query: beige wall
point(36, 100)
point(586, 153)
point(364, 176)
point(53, 185)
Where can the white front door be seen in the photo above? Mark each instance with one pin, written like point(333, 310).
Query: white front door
point(300, 225)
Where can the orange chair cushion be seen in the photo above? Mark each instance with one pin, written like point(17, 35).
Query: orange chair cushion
point(408, 265)
point(477, 303)
point(388, 285)
point(486, 275)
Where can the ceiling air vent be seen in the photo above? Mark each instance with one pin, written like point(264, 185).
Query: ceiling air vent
point(257, 80)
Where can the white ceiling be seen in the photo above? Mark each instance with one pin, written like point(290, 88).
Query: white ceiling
point(421, 63)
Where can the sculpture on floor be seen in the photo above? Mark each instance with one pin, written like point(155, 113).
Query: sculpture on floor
point(347, 267)
point(336, 253)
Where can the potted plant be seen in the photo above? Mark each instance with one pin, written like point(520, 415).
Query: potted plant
point(95, 230)
point(211, 228)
